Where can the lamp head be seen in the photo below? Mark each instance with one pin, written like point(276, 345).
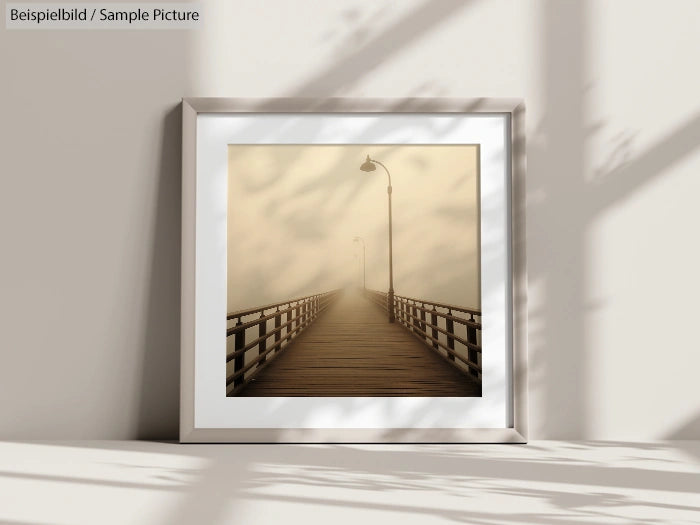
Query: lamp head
point(368, 165)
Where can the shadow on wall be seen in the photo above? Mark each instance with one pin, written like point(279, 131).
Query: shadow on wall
point(364, 58)
point(158, 415)
point(688, 430)
point(562, 208)
point(556, 167)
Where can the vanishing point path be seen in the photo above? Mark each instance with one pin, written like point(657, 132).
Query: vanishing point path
point(352, 350)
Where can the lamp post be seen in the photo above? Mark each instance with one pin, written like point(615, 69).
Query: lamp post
point(364, 265)
point(369, 165)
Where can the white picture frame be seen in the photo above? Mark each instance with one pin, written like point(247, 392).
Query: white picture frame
point(209, 125)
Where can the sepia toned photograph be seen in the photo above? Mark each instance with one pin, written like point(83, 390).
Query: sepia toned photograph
point(353, 270)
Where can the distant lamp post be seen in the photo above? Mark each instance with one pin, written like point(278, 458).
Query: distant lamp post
point(364, 265)
point(369, 165)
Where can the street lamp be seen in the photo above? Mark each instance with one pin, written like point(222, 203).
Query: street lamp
point(369, 165)
point(364, 266)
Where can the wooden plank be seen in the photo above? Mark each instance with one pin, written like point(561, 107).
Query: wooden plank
point(352, 350)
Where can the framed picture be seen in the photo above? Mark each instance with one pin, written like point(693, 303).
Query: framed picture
point(353, 270)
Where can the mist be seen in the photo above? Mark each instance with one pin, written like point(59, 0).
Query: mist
point(294, 211)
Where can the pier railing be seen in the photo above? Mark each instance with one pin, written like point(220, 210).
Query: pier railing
point(255, 334)
point(435, 324)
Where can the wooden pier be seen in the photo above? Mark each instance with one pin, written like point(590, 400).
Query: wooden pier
point(352, 350)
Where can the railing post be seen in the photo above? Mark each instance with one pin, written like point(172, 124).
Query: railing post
point(278, 332)
point(289, 323)
point(422, 317)
point(239, 361)
point(473, 354)
point(434, 321)
point(296, 319)
point(450, 331)
point(262, 330)
point(416, 322)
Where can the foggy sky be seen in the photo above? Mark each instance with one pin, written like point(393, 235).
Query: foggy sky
point(294, 210)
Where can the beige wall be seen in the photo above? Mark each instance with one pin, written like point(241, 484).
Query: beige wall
point(89, 207)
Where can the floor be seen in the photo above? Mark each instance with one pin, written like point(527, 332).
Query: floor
point(352, 350)
point(543, 483)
